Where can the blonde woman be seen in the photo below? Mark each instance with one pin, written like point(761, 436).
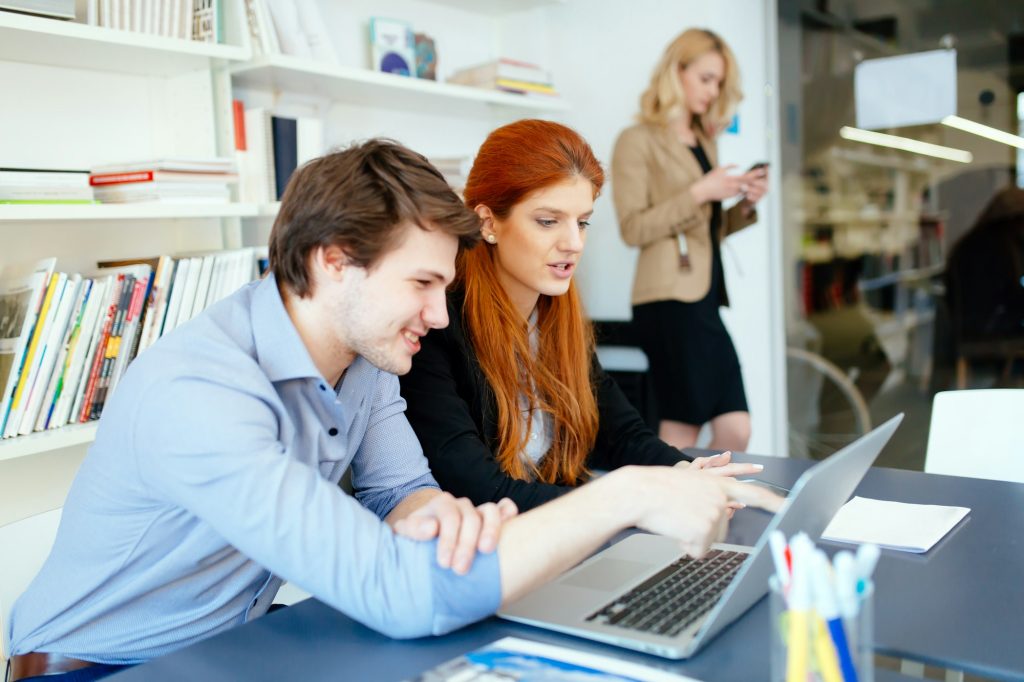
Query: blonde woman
point(668, 192)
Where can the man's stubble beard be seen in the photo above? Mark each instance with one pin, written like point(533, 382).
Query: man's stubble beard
point(361, 332)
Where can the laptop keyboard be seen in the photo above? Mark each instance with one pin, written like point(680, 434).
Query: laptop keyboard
point(672, 599)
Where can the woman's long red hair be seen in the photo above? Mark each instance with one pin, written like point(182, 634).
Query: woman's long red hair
point(515, 161)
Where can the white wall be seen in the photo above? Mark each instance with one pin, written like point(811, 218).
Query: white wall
point(602, 53)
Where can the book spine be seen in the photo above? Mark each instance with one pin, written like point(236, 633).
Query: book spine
point(53, 335)
point(64, 364)
point(285, 146)
point(117, 178)
point(113, 347)
point(133, 329)
point(97, 362)
point(71, 397)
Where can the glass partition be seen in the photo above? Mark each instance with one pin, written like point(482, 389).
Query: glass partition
point(904, 262)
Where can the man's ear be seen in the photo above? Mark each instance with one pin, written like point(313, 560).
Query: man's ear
point(329, 261)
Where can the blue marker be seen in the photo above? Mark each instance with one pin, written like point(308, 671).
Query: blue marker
point(828, 610)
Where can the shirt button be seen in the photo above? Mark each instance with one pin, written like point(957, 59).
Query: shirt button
point(322, 387)
point(332, 431)
point(533, 436)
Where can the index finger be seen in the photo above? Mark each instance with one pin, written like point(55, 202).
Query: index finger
point(752, 495)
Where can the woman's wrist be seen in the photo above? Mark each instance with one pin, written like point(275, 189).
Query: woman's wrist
point(697, 192)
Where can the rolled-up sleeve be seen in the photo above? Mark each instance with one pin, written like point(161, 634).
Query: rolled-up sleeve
point(229, 469)
point(389, 464)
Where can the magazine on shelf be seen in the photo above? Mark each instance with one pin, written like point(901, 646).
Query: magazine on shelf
point(50, 350)
point(513, 658)
point(33, 354)
point(21, 290)
point(63, 363)
point(79, 353)
point(67, 339)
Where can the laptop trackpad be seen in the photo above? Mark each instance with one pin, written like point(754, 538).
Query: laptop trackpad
point(607, 574)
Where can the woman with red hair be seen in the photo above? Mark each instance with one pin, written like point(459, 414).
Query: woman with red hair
point(509, 400)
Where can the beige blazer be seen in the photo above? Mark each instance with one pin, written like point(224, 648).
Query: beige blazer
point(651, 173)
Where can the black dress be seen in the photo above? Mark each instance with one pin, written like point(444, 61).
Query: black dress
point(693, 363)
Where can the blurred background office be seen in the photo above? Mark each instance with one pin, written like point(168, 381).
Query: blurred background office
point(904, 264)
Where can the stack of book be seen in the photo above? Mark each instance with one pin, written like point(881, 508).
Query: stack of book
point(293, 27)
point(44, 186)
point(269, 148)
point(200, 20)
point(66, 340)
point(509, 75)
point(192, 181)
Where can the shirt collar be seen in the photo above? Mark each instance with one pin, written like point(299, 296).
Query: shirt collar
point(280, 351)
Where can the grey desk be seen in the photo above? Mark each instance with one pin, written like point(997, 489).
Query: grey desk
point(958, 606)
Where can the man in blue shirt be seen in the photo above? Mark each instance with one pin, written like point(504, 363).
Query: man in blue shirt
point(215, 470)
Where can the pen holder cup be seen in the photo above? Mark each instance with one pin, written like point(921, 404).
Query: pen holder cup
point(804, 647)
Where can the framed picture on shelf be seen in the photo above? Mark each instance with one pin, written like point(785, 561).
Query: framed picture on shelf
point(392, 46)
point(426, 57)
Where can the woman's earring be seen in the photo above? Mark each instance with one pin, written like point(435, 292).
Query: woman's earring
point(491, 239)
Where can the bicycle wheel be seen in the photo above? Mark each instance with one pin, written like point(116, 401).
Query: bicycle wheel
point(826, 409)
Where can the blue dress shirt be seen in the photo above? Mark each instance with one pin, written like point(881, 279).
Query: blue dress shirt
point(214, 471)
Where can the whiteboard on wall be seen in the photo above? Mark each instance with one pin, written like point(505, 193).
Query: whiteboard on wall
point(906, 90)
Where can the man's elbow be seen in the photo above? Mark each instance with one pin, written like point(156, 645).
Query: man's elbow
point(407, 628)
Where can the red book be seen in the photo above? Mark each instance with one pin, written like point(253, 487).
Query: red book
point(238, 113)
point(101, 352)
point(131, 177)
point(97, 362)
point(114, 178)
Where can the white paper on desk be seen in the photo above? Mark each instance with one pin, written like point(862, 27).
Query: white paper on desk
point(893, 525)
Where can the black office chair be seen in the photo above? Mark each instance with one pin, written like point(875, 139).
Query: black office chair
point(636, 385)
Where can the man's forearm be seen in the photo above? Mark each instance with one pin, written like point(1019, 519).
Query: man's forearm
point(411, 503)
point(544, 542)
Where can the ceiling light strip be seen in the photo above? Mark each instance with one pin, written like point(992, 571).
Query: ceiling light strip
point(905, 144)
point(983, 130)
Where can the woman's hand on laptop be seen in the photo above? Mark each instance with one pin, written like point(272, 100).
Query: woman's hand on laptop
point(722, 465)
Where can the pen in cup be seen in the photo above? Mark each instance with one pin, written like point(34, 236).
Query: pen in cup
point(832, 648)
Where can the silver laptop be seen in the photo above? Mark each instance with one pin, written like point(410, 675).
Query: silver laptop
point(643, 594)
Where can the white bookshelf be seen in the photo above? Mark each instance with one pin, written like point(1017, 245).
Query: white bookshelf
point(269, 210)
point(351, 85)
point(120, 93)
point(38, 40)
point(16, 213)
point(126, 94)
point(496, 7)
point(45, 441)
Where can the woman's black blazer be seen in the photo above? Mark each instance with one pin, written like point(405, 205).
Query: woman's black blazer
point(454, 413)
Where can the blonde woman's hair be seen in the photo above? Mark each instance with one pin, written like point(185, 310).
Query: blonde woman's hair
point(663, 100)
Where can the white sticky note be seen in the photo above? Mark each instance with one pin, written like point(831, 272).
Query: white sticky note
point(893, 525)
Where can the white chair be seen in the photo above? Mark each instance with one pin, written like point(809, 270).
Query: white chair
point(978, 434)
point(24, 546)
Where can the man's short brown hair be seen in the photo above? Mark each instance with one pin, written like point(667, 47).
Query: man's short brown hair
point(359, 198)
